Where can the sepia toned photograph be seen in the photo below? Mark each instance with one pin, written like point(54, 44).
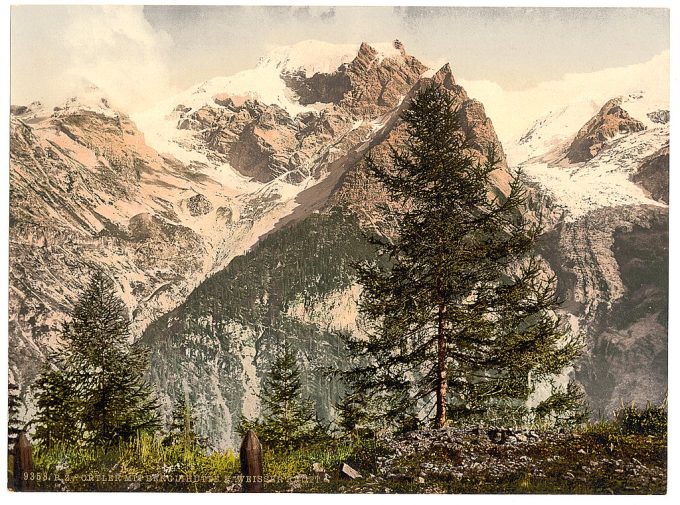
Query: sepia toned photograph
point(333, 249)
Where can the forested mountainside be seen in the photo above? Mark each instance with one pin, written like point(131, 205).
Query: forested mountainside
point(296, 285)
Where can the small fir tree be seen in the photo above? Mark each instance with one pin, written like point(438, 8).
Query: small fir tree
point(352, 417)
point(288, 420)
point(183, 425)
point(460, 315)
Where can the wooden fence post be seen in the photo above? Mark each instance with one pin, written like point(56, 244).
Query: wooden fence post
point(23, 465)
point(251, 463)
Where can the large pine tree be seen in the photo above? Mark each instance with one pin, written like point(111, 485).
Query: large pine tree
point(93, 389)
point(460, 315)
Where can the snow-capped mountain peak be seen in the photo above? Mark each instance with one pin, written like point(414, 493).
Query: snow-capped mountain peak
point(315, 56)
point(605, 179)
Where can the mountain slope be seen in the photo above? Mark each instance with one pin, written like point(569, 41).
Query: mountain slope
point(87, 192)
point(607, 240)
point(296, 284)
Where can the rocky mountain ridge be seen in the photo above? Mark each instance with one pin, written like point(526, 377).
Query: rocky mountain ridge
point(269, 162)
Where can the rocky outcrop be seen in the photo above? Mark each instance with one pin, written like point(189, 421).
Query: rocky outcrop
point(661, 116)
point(610, 121)
point(264, 142)
point(653, 174)
point(368, 86)
point(359, 191)
point(379, 84)
point(199, 205)
point(320, 87)
point(612, 270)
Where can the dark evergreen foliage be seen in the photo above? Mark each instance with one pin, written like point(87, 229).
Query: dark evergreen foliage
point(353, 416)
point(93, 390)
point(652, 420)
point(14, 424)
point(288, 420)
point(565, 407)
point(460, 315)
point(182, 429)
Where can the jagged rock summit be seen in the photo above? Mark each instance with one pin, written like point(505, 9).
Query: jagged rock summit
point(276, 120)
point(610, 121)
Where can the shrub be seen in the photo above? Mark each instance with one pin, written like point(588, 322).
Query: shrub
point(653, 420)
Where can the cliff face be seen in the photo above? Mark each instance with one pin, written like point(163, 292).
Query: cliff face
point(612, 267)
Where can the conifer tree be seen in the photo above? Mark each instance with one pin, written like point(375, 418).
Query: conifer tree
point(58, 416)
point(288, 420)
point(183, 424)
point(353, 415)
point(14, 424)
point(93, 389)
point(460, 315)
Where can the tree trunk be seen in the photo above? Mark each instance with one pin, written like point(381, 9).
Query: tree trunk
point(440, 419)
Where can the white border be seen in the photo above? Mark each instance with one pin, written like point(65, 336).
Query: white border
point(87, 498)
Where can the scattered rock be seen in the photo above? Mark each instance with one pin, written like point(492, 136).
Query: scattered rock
point(347, 472)
point(660, 116)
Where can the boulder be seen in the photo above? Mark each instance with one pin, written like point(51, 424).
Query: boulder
point(199, 205)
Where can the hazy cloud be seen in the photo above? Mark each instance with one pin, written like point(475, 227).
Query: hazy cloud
point(138, 55)
point(55, 51)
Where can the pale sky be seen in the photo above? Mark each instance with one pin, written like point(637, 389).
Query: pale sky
point(141, 54)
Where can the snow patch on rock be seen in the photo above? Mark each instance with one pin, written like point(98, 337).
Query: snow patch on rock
point(603, 181)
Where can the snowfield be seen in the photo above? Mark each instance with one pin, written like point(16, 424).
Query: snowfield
point(603, 181)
